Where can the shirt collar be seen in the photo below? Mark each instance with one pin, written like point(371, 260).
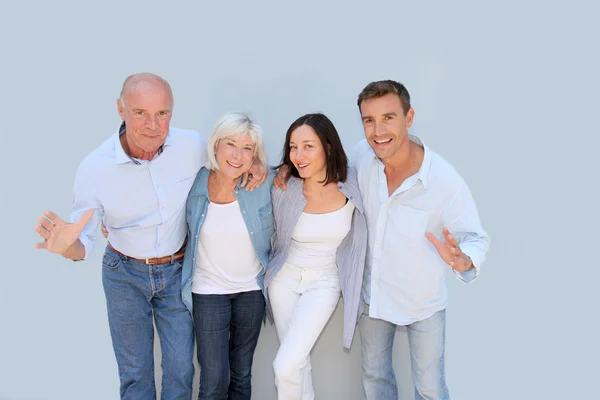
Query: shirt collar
point(426, 165)
point(122, 158)
point(423, 172)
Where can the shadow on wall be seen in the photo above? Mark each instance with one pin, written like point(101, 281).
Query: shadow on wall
point(336, 372)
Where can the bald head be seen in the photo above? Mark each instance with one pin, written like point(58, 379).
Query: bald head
point(145, 105)
point(144, 82)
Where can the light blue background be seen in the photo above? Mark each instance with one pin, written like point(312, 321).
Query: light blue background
point(506, 91)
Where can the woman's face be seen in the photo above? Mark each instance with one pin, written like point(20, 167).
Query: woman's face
point(307, 153)
point(235, 155)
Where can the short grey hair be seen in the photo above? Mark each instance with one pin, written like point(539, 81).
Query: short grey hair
point(236, 124)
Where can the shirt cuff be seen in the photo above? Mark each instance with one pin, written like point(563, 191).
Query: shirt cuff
point(472, 274)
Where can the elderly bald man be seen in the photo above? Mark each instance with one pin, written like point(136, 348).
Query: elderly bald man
point(137, 183)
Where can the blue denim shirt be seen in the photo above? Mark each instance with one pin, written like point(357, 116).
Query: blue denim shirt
point(257, 212)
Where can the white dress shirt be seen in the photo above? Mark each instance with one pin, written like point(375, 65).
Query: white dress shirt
point(404, 278)
point(142, 203)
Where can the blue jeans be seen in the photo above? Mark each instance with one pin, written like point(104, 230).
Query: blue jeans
point(426, 340)
point(227, 329)
point(137, 295)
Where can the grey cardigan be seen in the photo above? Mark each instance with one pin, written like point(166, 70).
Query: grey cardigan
point(287, 209)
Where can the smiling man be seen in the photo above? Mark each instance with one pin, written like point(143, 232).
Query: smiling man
point(421, 218)
point(137, 183)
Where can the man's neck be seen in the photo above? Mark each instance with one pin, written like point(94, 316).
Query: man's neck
point(133, 151)
point(406, 162)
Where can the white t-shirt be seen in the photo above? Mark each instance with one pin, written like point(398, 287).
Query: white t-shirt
point(316, 237)
point(226, 261)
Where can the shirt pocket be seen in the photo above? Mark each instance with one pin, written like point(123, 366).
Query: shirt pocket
point(407, 226)
point(265, 213)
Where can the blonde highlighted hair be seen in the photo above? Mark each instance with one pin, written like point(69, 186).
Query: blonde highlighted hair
point(236, 125)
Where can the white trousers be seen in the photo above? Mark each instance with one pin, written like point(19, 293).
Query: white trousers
point(302, 301)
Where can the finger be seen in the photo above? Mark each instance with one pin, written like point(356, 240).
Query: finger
point(438, 245)
point(45, 223)
point(85, 218)
point(41, 245)
point(449, 238)
point(454, 250)
point(251, 185)
point(257, 180)
point(459, 264)
point(279, 183)
point(52, 217)
point(260, 179)
point(43, 232)
point(244, 179)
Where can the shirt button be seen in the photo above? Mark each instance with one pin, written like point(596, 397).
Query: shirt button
point(252, 233)
point(203, 215)
point(244, 212)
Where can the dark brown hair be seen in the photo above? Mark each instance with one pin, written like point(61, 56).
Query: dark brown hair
point(378, 89)
point(336, 160)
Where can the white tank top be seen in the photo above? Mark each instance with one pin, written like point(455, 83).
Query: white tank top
point(226, 261)
point(316, 237)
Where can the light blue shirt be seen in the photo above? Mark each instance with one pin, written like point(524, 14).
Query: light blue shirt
point(404, 274)
point(142, 203)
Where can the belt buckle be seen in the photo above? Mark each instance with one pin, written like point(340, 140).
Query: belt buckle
point(148, 261)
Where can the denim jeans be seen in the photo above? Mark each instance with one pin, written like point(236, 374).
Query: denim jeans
point(227, 328)
point(137, 295)
point(426, 340)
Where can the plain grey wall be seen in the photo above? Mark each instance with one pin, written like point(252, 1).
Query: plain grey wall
point(506, 91)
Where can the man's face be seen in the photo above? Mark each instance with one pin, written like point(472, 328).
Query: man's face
point(386, 126)
point(146, 109)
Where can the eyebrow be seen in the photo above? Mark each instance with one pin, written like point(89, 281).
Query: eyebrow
point(304, 141)
point(235, 141)
point(388, 114)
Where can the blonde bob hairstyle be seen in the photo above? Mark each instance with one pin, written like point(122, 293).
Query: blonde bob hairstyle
point(236, 125)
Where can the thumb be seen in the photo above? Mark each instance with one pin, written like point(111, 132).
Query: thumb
point(85, 218)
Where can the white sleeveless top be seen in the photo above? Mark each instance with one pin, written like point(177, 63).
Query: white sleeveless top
point(316, 237)
point(226, 261)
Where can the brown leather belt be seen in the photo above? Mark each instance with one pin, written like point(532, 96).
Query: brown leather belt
point(158, 260)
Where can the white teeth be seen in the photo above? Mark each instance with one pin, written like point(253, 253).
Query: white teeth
point(302, 165)
point(234, 165)
point(383, 141)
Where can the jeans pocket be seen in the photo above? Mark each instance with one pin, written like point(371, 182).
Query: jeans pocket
point(110, 261)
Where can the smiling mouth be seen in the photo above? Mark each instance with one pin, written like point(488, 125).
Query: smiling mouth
point(383, 141)
point(302, 166)
point(234, 165)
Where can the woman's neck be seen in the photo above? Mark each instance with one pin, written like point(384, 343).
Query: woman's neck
point(220, 187)
point(314, 185)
